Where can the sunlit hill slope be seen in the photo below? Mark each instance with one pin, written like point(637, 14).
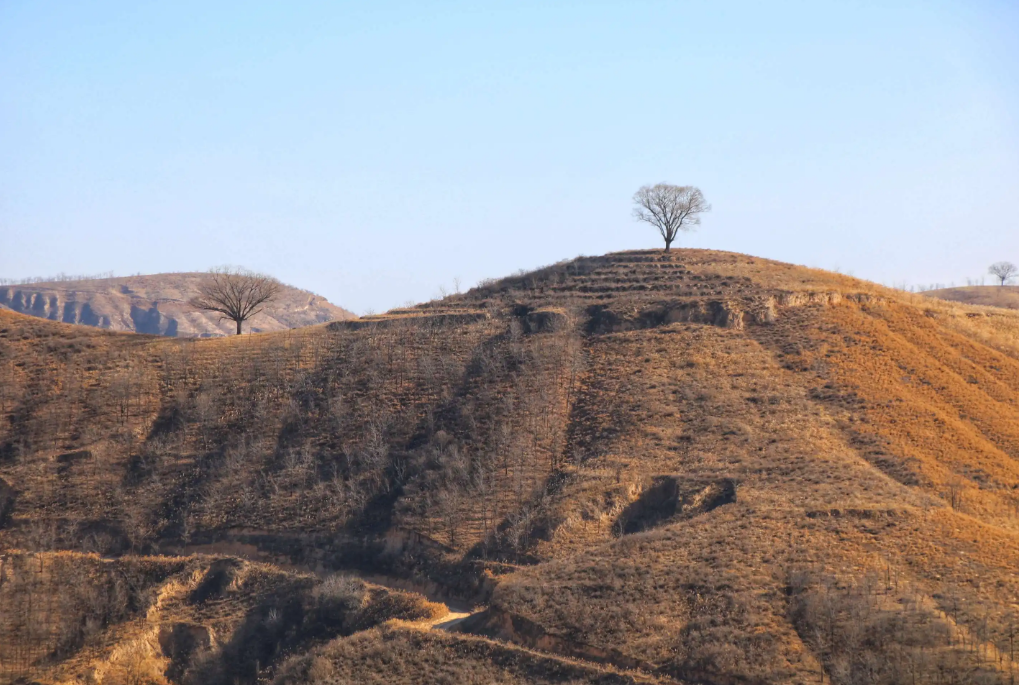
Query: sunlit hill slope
point(158, 305)
point(696, 467)
point(985, 295)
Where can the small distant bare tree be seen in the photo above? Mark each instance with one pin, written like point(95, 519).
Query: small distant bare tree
point(1004, 271)
point(670, 209)
point(237, 294)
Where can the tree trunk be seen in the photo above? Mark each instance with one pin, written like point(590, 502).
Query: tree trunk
point(668, 244)
point(238, 326)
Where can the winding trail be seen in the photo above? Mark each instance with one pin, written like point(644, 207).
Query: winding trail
point(456, 611)
point(447, 622)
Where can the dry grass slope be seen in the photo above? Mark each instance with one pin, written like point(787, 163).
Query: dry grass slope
point(695, 467)
point(395, 654)
point(68, 617)
point(984, 295)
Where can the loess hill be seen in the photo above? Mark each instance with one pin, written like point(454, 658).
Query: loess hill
point(695, 467)
point(158, 305)
point(984, 295)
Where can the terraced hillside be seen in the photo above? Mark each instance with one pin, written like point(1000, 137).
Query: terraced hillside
point(157, 305)
point(698, 467)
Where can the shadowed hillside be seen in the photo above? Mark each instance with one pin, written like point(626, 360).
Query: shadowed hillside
point(699, 467)
point(69, 617)
point(157, 305)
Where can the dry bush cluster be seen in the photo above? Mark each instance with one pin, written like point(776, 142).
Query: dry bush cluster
point(396, 655)
point(67, 613)
point(53, 607)
point(336, 426)
point(869, 632)
point(293, 613)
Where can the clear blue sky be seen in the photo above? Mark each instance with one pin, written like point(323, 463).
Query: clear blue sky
point(372, 151)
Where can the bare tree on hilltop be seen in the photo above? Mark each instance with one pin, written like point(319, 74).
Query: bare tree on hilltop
point(237, 294)
point(1004, 271)
point(670, 209)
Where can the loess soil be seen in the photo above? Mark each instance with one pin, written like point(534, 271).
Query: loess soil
point(695, 467)
point(983, 295)
point(157, 304)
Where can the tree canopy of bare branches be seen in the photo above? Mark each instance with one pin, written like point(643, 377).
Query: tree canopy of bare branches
point(237, 294)
point(1004, 271)
point(670, 209)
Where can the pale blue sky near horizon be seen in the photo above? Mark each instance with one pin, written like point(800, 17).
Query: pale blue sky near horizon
point(372, 152)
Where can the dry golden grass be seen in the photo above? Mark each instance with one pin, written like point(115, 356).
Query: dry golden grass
point(394, 654)
point(985, 295)
point(667, 463)
point(73, 618)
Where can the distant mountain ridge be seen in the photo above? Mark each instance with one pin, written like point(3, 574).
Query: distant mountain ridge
point(158, 304)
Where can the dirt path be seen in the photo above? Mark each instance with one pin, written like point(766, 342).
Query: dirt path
point(448, 621)
point(457, 610)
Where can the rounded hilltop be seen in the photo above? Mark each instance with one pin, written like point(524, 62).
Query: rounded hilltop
point(981, 295)
point(157, 304)
point(642, 286)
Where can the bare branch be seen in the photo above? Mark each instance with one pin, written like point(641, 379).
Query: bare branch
point(237, 294)
point(670, 209)
point(1004, 271)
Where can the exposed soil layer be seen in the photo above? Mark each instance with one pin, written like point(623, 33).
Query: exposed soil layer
point(157, 305)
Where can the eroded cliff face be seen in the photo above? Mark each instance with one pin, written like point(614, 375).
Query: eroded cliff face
point(52, 305)
point(156, 305)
